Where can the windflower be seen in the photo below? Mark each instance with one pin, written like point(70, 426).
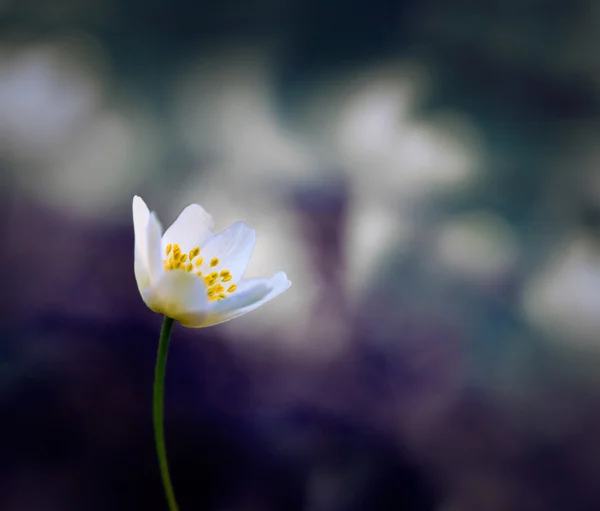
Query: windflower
point(193, 275)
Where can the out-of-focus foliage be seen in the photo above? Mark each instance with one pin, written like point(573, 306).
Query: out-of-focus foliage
point(428, 175)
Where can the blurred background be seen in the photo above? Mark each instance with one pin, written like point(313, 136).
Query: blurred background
point(426, 172)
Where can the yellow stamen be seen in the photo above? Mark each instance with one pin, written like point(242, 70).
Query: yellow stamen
point(211, 279)
point(176, 260)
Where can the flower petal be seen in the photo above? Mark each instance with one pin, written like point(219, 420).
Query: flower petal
point(178, 295)
point(233, 248)
point(192, 228)
point(250, 294)
point(153, 249)
point(140, 270)
point(141, 216)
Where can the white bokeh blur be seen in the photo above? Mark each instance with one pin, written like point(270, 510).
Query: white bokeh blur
point(477, 246)
point(563, 297)
point(71, 146)
point(85, 145)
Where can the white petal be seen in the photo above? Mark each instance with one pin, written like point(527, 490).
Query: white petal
point(250, 294)
point(141, 215)
point(153, 250)
point(141, 272)
point(178, 295)
point(192, 228)
point(233, 248)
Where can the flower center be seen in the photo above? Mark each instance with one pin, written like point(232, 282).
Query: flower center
point(192, 262)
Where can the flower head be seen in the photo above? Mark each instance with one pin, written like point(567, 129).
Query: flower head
point(193, 275)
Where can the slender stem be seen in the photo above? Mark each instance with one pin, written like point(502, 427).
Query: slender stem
point(159, 408)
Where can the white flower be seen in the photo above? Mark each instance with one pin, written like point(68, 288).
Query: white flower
point(194, 276)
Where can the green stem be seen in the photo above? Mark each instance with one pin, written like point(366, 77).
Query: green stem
point(159, 408)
